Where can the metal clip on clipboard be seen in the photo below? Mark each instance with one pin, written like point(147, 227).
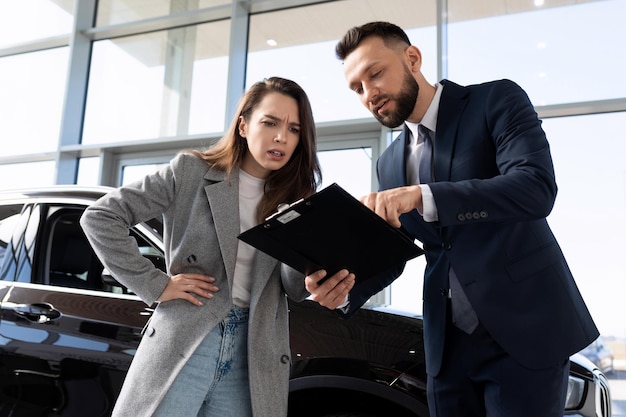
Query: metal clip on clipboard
point(281, 209)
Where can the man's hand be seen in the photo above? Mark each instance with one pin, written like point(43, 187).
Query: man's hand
point(390, 204)
point(182, 286)
point(331, 293)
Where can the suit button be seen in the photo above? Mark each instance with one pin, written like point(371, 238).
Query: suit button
point(443, 291)
point(476, 215)
point(468, 215)
point(483, 214)
point(446, 245)
point(284, 359)
point(460, 217)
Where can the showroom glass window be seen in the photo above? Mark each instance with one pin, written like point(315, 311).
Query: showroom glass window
point(33, 83)
point(27, 174)
point(558, 51)
point(160, 84)
point(357, 178)
point(590, 210)
point(27, 21)
point(299, 44)
point(112, 12)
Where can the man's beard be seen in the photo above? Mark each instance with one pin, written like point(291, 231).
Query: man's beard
point(405, 102)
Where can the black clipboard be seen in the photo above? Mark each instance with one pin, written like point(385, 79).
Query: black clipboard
point(332, 230)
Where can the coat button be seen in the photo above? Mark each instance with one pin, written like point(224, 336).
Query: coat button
point(284, 359)
point(446, 245)
point(483, 214)
point(460, 217)
point(476, 215)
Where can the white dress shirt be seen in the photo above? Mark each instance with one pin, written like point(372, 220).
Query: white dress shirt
point(429, 212)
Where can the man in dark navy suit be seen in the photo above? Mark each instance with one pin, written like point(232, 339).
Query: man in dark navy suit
point(471, 177)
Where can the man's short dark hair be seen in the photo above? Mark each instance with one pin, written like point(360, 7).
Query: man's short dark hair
point(390, 34)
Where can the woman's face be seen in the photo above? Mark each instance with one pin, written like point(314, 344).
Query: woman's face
point(272, 132)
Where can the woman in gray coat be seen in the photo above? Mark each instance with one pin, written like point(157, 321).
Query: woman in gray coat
point(217, 343)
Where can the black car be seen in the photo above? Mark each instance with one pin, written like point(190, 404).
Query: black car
point(68, 331)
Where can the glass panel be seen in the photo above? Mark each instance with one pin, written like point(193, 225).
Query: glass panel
point(31, 174)
point(24, 21)
point(299, 44)
point(356, 179)
point(552, 50)
point(31, 103)
point(159, 84)
point(210, 78)
point(111, 12)
point(88, 169)
point(132, 173)
point(406, 291)
point(590, 210)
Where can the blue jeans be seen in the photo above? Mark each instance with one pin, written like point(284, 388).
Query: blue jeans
point(214, 381)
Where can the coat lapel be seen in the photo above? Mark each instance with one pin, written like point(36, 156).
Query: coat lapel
point(453, 101)
point(223, 197)
point(399, 157)
point(262, 267)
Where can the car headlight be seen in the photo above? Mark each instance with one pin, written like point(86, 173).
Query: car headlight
point(575, 392)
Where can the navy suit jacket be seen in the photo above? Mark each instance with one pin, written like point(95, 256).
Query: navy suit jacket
point(494, 187)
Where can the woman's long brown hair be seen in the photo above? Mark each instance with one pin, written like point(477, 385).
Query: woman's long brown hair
point(302, 174)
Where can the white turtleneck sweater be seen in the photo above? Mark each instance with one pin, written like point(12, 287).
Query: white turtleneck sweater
point(250, 193)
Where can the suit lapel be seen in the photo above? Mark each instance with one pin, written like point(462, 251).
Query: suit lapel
point(453, 101)
point(399, 157)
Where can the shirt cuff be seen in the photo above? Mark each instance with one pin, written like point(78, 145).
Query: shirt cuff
point(345, 306)
point(429, 211)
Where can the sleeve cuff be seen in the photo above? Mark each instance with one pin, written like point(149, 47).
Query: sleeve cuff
point(429, 212)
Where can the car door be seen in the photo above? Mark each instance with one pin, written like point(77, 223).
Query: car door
point(63, 328)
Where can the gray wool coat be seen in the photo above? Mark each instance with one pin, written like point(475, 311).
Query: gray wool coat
point(201, 222)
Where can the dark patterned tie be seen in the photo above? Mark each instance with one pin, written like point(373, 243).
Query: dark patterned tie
point(426, 158)
point(463, 315)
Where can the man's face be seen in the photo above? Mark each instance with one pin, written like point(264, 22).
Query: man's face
point(382, 80)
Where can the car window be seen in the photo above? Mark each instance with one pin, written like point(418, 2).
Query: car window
point(16, 262)
point(73, 263)
point(9, 217)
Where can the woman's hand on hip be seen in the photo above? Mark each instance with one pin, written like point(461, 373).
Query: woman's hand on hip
point(187, 287)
